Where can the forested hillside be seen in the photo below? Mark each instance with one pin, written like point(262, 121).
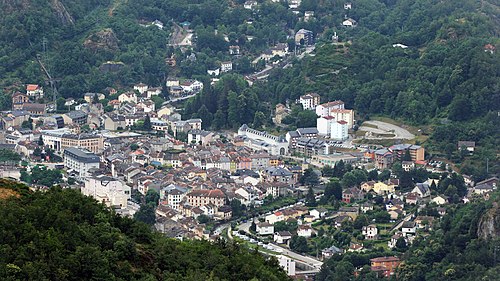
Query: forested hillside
point(63, 235)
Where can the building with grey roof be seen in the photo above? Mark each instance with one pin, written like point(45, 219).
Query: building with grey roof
point(80, 161)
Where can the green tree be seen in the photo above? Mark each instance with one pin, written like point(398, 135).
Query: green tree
point(134, 146)
point(146, 214)
point(299, 244)
point(153, 197)
point(310, 198)
point(203, 219)
point(147, 123)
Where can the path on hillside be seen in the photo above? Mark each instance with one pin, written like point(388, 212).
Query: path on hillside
point(385, 128)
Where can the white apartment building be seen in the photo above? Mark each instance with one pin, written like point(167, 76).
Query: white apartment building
point(324, 125)
point(345, 115)
point(107, 190)
point(288, 264)
point(309, 101)
point(340, 130)
point(325, 108)
point(80, 161)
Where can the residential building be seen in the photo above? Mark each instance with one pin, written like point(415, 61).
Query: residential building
point(141, 88)
point(200, 137)
point(309, 101)
point(282, 237)
point(349, 23)
point(422, 190)
point(324, 125)
point(467, 145)
point(127, 97)
point(80, 161)
point(18, 100)
point(330, 252)
point(277, 174)
point(383, 159)
point(346, 115)
point(409, 228)
point(76, 117)
point(351, 195)
point(191, 86)
point(108, 190)
point(304, 231)
point(304, 37)
point(288, 264)
point(35, 109)
point(264, 228)
point(340, 130)
point(202, 197)
point(325, 108)
point(34, 90)
point(417, 152)
point(226, 66)
point(385, 266)
point(370, 232)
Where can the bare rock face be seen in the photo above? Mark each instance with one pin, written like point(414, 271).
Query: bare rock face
point(62, 13)
point(102, 40)
point(489, 225)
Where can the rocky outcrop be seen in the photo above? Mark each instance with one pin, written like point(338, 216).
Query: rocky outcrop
point(489, 225)
point(62, 14)
point(102, 40)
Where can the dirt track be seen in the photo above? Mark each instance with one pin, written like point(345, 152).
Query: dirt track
point(386, 129)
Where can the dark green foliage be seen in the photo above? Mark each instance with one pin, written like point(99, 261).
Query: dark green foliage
point(7, 155)
point(41, 175)
point(310, 198)
point(153, 197)
point(309, 178)
point(62, 235)
point(147, 123)
point(299, 244)
point(237, 208)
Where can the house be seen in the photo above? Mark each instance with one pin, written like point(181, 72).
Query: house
point(280, 50)
point(226, 66)
point(264, 228)
point(304, 231)
point(190, 86)
point(394, 239)
point(127, 97)
point(114, 122)
point(34, 90)
point(422, 190)
point(282, 237)
point(384, 266)
point(225, 213)
point(35, 109)
point(366, 207)
point(349, 23)
point(234, 50)
point(309, 101)
point(440, 200)
point(409, 228)
point(352, 212)
point(202, 197)
point(407, 165)
point(304, 37)
point(91, 97)
point(330, 252)
point(276, 217)
point(467, 145)
point(352, 194)
point(213, 72)
point(347, 6)
point(378, 187)
point(399, 45)
point(277, 174)
point(489, 48)
point(370, 232)
point(18, 100)
point(172, 81)
point(424, 222)
point(250, 4)
point(412, 198)
point(141, 88)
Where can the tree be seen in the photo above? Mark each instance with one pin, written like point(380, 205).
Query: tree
point(309, 178)
point(407, 156)
point(401, 244)
point(237, 208)
point(253, 226)
point(327, 171)
point(333, 189)
point(40, 141)
point(146, 214)
point(147, 123)
point(310, 198)
point(134, 146)
point(153, 197)
point(299, 244)
point(259, 119)
point(203, 219)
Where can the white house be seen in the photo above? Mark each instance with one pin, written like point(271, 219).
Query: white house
point(315, 213)
point(276, 217)
point(282, 237)
point(304, 231)
point(127, 97)
point(250, 5)
point(226, 66)
point(309, 101)
point(265, 228)
point(422, 189)
point(439, 200)
point(141, 88)
point(347, 6)
point(34, 90)
point(324, 125)
point(409, 228)
point(349, 23)
point(107, 190)
point(340, 130)
point(370, 232)
point(191, 86)
point(213, 72)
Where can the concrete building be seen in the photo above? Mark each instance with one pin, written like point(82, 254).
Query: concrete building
point(309, 101)
point(325, 108)
point(304, 37)
point(80, 161)
point(259, 140)
point(107, 190)
point(288, 264)
point(345, 115)
point(339, 130)
point(324, 125)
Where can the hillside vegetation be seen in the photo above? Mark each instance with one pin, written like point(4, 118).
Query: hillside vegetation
point(63, 235)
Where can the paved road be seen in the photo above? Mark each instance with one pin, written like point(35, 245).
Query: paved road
point(407, 218)
point(181, 98)
point(386, 128)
